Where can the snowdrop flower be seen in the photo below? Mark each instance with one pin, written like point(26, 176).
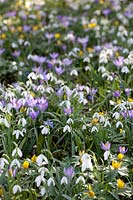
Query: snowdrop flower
point(50, 182)
point(74, 72)
point(67, 128)
point(80, 179)
point(3, 161)
point(45, 130)
point(86, 59)
point(116, 115)
point(94, 128)
point(5, 122)
point(106, 155)
point(69, 121)
point(64, 180)
point(22, 121)
point(15, 162)
point(17, 151)
point(16, 189)
point(43, 170)
point(125, 70)
point(86, 162)
point(119, 124)
point(17, 133)
point(106, 148)
point(39, 179)
point(41, 160)
point(102, 69)
point(107, 123)
point(43, 191)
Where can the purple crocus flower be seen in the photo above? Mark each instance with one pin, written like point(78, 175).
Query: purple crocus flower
point(49, 123)
point(67, 61)
point(2, 51)
point(122, 150)
point(34, 114)
point(69, 172)
point(59, 70)
point(68, 111)
point(16, 103)
point(105, 146)
point(127, 91)
point(38, 59)
point(26, 28)
point(60, 92)
point(42, 104)
point(119, 62)
point(16, 53)
point(49, 36)
point(106, 12)
point(11, 14)
point(116, 94)
point(54, 55)
point(83, 41)
point(130, 114)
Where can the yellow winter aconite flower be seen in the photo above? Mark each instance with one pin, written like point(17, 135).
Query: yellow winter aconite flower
point(1, 192)
point(3, 36)
point(120, 156)
point(91, 193)
point(118, 101)
point(120, 183)
point(116, 165)
point(90, 50)
point(57, 35)
point(81, 53)
point(26, 165)
point(117, 54)
point(92, 25)
point(94, 121)
point(35, 28)
point(19, 28)
point(85, 26)
point(130, 100)
point(101, 113)
point(33, 158)
point(32, 94)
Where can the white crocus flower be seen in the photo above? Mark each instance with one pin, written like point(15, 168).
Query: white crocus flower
point(50, 182)
point(16, 189)
point(64, 180)
point(86, 162)
point(41, 160)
